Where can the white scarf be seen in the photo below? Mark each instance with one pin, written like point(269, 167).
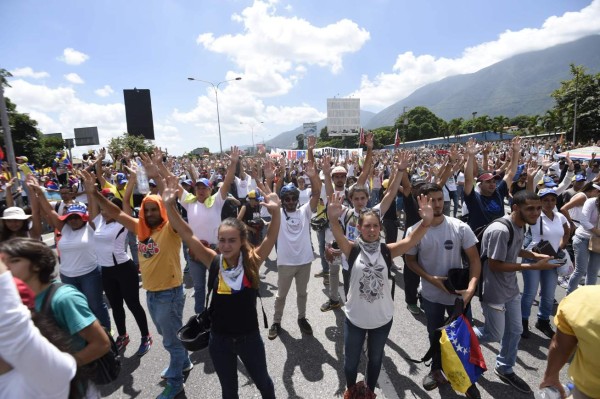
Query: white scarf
point(234, 276)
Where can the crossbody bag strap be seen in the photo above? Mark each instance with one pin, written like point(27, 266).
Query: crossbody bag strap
point(265, 321)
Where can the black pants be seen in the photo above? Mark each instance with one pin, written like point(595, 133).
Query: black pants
point(390, 226)
point(120, 283)
point(411, 283)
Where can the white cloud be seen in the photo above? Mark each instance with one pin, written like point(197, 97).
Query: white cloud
point(105, 91)
point(74, 78)
point(28, 72)
point(412, 71)
point(272, 48)
point(73, 57)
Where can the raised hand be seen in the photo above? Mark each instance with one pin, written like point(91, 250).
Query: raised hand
point(532, 168)
point(369, 140)
point(269, 170)
point(272, 203)
point(334, 207)
point(516, 144)
point(169, 194)
point(157, 156)
point(403, 160)
point(151, 169)
point(310, 169)
point(235, 154)
point(31, 181)
point(326, 165)
point(89, 181)
point(312, 141)
point(425, 209)
point(471, 147)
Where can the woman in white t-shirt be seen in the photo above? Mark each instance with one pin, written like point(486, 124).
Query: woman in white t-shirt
point(78, 262)
point(369, 307)
point(553, 227)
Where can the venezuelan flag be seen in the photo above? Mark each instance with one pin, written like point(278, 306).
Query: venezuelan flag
point(462, 360)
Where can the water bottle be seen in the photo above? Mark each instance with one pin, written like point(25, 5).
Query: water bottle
point(552, 393)
point(142, 178)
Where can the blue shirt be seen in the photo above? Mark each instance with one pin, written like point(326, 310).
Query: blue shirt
point(484, 209)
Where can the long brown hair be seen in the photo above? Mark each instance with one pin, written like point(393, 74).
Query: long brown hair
point(249, 258)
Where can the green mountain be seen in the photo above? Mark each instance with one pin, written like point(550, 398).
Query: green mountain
point(519, 85)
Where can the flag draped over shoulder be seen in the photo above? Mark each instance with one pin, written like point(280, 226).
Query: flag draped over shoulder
point(462, 360)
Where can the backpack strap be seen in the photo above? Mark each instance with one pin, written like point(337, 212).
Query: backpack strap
point(46, 308)
point(354, 252)
point(387, 256)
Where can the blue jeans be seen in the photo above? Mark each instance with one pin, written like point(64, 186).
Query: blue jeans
point(504, 326)
point(531, 281)
point(354, 338)
point(224, 352)
point(321, 238)
point(198, 273)
point(90, 285)
point(454, 199)
point(374, 197)
point(586, 262)
point(436, 314)
point(133, 247)
point(166, 309)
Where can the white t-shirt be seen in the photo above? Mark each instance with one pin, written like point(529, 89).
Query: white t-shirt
point(110, 240)
point(369, 304)
point(243, 186)
point(552, 230)
point(293, 242)
point(77, 251)
point(40, 370)
point(304, 197)
point(349, 222)
point(203, 220)
point(439, 251)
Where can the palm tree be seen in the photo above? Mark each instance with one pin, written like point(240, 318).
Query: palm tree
point(533, 124)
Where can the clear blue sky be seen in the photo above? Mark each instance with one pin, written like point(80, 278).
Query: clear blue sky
point(72, 59)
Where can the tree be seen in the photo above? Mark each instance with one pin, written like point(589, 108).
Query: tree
point(300, 140)
point(499, 123)
point(584, 90)
point(422, 124)
point(46, 151)
point(455, 126)
point(25, 134)
point(118, 145)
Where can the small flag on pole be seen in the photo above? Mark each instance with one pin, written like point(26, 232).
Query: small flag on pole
point(397, 140)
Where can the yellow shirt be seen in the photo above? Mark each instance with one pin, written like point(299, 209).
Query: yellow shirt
point(579, 314)
point(118, 193)
point(160, 262)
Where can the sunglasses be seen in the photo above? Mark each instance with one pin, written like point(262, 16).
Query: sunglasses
point(290, 199)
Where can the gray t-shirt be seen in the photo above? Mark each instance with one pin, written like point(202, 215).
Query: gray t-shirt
point(500, 287)
point(440, 250)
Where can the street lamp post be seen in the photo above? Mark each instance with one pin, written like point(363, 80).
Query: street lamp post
point(252, 126)
point(216, 89)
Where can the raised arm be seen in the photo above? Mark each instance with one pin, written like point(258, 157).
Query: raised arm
point(36, 221)
point(471, 150)
point(233, 161)
point(426, 213)
point(45, 207)
point(362, 179)
point(89, 183)
point(315, 183)
point(114, 212)
point(98, 165)
point(204, 254)
point(334, 211)
point(392, 191)
point(273, 205)
point(514, 161)
point(326, 167)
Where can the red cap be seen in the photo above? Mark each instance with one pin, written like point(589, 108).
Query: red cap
point(487, 176)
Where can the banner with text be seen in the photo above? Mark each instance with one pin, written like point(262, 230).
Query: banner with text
point(319, 152)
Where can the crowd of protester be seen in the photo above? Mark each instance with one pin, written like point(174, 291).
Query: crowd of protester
point(517, 206)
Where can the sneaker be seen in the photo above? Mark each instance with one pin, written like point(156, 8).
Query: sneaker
point(170, 392)
point(330, 305)
point(322, 274)
point(544, 326)
point(145, 345)
point(304, 326)
point(563, 282)
point(326, 279)
point(514, 380)
point(122, 341)
point(434, 379)
point(525, 334)
point(186, 369)
point(413, 308)
point(473, 392)
point(274, 331)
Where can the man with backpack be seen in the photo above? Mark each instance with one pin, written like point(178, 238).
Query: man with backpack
point(438, 252)
point(501, 245)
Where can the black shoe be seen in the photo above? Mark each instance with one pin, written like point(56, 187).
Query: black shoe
point(473, 392)
point(525, 334)
point(544, 326)
point(304, 326)
point(330, 305)
point(513, 380)
point(434, 379)
point(274, 331)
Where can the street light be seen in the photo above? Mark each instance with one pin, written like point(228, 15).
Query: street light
point(216, 89)
point(252, 126)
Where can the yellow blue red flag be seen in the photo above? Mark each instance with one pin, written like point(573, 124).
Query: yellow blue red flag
point(462, 360)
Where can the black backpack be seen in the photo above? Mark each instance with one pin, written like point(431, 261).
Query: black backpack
point(101, 371)
point(354, 252)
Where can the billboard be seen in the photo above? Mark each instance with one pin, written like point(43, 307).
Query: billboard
point(53, 135)
point(343, 116)
point(309, 129)
point(86, 136)
point(138, 112)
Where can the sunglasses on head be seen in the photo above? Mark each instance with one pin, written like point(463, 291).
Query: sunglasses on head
point(290, 199)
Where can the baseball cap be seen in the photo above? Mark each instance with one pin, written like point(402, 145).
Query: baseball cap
point(416, 180)
point(23, 158)
point(251, 194)
point(339, 170)
point(547, 191)
point(186, 181)
point(385, 183)
point(488, 176)
point(121, 178)
point(152, 182)
point(204, 181)
point(578, 178)
point(75, 209)
point(548, 182)
point(14, 213)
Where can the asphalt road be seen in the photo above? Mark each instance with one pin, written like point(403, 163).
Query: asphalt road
point(311, 367)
